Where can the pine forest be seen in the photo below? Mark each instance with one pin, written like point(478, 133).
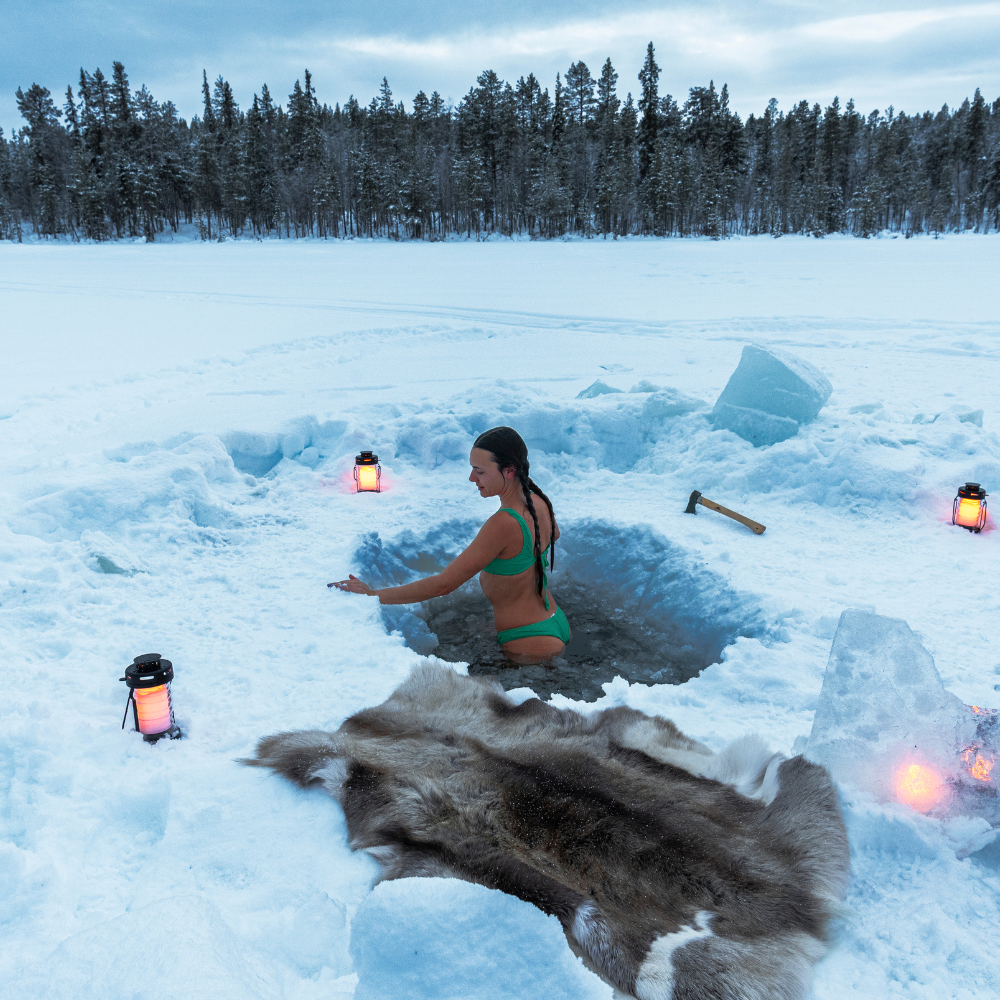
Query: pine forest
point(508, 159)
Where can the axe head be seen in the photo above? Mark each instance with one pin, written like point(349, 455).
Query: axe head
point(692, 503)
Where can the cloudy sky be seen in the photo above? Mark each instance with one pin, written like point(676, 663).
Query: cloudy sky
point(914, 54)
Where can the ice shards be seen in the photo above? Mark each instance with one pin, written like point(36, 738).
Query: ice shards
point(769, 395)
point(597, 388)
point(886, 725)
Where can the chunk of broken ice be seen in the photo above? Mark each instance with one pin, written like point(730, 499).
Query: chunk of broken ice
point(886, 725)
point(769, 395)
point(755, 426)
point(597, 388)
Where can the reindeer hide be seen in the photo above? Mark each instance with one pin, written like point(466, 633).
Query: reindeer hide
point(676, 873)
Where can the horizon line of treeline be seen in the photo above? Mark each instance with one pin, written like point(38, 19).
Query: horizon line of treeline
point(508, 159)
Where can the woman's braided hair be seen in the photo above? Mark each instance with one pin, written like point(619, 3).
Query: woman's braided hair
point(508, 450)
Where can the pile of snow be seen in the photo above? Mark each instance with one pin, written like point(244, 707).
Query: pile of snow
point(445, 939)
point(769, 395)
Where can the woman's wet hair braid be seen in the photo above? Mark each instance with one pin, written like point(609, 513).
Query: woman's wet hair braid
point(508, 450)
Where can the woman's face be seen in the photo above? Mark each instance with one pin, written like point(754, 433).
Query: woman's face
point(486, 474)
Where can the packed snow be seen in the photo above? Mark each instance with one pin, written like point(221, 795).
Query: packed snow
point(179, 425)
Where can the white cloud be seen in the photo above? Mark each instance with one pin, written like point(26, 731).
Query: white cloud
point(879, 58)
point(691, 33)
point(887, 26)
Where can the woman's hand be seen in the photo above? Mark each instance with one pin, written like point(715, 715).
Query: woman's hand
point(352, 585)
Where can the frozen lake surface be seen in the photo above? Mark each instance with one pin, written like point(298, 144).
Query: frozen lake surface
point(178, 426)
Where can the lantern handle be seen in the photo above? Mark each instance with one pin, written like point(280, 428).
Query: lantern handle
point(131, 695)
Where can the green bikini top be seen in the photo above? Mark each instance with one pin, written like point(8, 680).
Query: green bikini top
point(525, 559)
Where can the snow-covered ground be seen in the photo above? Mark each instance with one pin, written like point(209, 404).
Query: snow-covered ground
point(178, 425)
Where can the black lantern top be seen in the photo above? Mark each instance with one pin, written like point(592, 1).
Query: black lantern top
point(971, 491)
point(148, 671)
point(366, 458)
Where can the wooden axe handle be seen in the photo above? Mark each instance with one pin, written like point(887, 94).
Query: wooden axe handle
point(757, 529)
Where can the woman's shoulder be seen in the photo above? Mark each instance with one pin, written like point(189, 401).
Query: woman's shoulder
point(503, 521)
point(507, 522)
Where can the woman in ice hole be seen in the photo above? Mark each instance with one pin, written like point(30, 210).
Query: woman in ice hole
point(511, 554)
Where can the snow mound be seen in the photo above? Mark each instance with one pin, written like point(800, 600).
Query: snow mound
point(769, 395)
point(184, 477)
point(306, 440)
point(110, 556)
point(886, 725)
point(962, 413)
point(665, 403)
point(445, 939)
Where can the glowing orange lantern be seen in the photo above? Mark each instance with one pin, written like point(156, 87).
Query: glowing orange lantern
point(969, 509)
point(367, 473)
point(919, 786)
point(977, 764)
point(148, 678)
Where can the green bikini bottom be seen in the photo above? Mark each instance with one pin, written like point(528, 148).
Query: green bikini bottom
point(555, 625)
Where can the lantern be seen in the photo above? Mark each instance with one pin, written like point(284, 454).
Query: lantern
point(969, 509)
point(919, 786)
point(367, 473)
point(979, 765)
point(148, 678)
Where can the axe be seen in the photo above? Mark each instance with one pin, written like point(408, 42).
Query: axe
point(697, 498)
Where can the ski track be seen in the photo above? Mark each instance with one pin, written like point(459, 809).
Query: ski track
point(118, 445)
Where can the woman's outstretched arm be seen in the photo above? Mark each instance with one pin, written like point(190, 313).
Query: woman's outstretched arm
point(493, 537)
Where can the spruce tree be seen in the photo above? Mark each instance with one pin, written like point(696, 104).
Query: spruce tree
point(207, 165)
point(41, 136)
point(10, 228)
point(606, 115)
point(648, 108)
point(580, 93)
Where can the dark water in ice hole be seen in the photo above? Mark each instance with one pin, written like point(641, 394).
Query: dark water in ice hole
point(607, 641)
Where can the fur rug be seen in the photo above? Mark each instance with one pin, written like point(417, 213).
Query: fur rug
point(676, 873)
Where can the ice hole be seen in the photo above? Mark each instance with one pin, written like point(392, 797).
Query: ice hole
point(639, 607)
